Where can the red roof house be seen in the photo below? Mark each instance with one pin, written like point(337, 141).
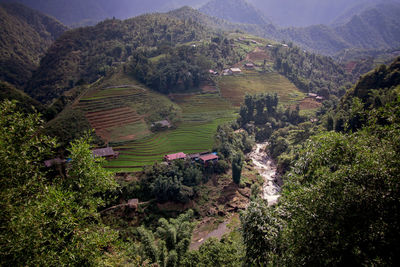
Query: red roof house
point(208, 158)
point(176, 156)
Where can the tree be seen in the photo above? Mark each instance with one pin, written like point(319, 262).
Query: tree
point(44, 220)
point(237, 164)
point(174, 237)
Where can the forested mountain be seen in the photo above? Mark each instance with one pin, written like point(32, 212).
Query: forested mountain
point(89, 12)
point(25, 35)
point(86, 54)
point(238, 11)
point(219, 24)
point(309, 72)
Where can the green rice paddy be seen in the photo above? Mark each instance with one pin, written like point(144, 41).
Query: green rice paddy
point(199, 115)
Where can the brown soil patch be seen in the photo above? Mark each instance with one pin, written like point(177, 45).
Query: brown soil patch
point(128, 137)
point(350, 66)
point(309, 103)
point(258, 54)
point(209, 89)
point(102, 121)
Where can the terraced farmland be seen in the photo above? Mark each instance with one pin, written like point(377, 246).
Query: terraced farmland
point(105, 121)
point(110, 112)
point(203, 107)
point(234, 88)
point(118, 115)
point(188, 138)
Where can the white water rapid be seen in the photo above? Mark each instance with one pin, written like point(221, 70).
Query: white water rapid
point(267, 170)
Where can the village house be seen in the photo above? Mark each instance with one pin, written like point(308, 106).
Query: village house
point(320, 98)
point(172, 157)
point(107, 153)
point(249, 66)
point(235, 70)
point(312, 95)
point(162, 124)
point(207, 159)
point(212, 72)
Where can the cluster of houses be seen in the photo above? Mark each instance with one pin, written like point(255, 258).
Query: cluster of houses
point(107, 153)
point(316, 97)
point(204, 158)
point(233, 71)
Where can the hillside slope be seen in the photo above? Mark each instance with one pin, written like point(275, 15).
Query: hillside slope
point(25, 35)
point(238, 11)
point(25, 102)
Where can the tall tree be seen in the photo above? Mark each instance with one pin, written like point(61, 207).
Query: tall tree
point(48, 220)
point(237, 164)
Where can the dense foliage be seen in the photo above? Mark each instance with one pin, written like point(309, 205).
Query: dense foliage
point(260, 116)
point(309, 72)
point(176, 182)
point(184, 67)
point(228, 142)
point(173, 240)
point(46, 219)
point(340, 202)
point(86, 54)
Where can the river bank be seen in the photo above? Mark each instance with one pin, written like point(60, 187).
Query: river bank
point(266, 168)
point(271, 188)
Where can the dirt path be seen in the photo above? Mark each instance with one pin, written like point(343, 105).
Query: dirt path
point(267, 169)
point(218, 233)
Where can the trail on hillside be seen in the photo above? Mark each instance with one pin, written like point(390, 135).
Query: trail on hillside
point(267, 169)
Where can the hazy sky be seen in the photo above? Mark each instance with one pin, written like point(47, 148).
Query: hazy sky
point(281, 12)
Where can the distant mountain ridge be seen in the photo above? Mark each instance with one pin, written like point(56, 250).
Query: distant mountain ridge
point(295, 13)
point(90, 12)
point(238, 11)
point(25, 35)
point(377, 27)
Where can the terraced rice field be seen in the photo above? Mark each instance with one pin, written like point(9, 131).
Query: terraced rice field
point(234, 88)
point(109, 112)
point(203, 107)
point(188, 138)
point(118, 115)
point(103, 122)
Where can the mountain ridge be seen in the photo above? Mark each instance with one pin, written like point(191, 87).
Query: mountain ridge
point(239, 11)
point(25, 35)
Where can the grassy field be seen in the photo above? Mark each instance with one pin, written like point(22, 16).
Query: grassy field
point(234, 88)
